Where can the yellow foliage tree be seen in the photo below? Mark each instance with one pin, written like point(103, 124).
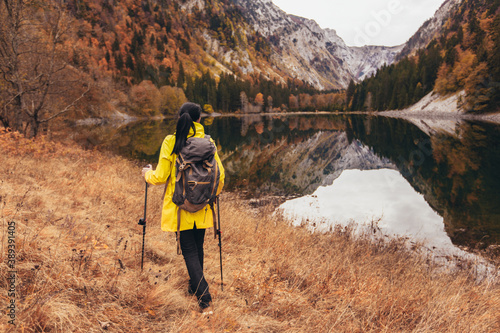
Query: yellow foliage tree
point(146, 98)
point(449, 79)
point(207, 108)
point(259, 99)
point(172, 99)
point(445, 82)
point(464, 67)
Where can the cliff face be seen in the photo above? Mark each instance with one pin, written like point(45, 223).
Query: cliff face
point(133, 39)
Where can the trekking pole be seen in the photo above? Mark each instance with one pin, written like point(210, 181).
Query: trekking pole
point(220, 244)
point(143, 223)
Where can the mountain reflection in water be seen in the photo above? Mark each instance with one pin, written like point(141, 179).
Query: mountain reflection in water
point(376, 200)
point(454, 165)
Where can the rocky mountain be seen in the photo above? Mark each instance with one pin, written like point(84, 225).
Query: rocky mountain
point(306, 51)
point(366, 60)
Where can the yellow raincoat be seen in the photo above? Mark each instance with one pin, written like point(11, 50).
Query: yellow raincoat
point(165, 171)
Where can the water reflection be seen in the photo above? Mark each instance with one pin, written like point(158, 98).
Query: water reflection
point(454, 165)
point(457, 173)
point(381, 200)
point(140, 141)
point(289, 156)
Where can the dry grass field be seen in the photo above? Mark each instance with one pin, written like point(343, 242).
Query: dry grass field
point(78, 251)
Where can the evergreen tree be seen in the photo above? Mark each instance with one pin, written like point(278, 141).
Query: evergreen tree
point(350, 92)
point(189, 92)
point(494, 64)
point(118, 61)
point(116, 45)
point(129, 62)
point(181, 76)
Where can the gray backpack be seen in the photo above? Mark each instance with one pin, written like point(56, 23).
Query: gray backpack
point(197, 177)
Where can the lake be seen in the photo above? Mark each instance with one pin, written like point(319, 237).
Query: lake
point(435, 180)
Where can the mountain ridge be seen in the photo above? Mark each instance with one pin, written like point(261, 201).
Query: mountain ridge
point(311, 53)
point(461, 57)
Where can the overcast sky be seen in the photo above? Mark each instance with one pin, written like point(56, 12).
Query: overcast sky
point(361, 22)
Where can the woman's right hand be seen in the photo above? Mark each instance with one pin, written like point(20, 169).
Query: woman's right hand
point(146, 169)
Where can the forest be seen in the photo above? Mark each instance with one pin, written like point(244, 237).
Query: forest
point(74, 59)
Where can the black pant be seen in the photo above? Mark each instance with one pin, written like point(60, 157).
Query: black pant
point(192, 249)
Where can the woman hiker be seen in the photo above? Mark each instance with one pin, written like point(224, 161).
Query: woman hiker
point(192, 225)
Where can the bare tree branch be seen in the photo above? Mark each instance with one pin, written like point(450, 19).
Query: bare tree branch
point(9, 102)
point(33, 63)
point(67, 108)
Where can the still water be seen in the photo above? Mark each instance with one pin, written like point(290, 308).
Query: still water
point(417, 178)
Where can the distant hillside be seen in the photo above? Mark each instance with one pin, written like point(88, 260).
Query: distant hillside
point(463, 55)
point(120, 58)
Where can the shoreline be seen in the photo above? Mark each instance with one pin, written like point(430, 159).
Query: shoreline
point(437, 107)
point(431, 107)
point(426, 115)
point(399, 114)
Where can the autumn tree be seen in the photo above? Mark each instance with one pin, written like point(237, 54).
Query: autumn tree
point(172, 99)
point(305, 102)
point(146, 98)
point(207, 108)
point(259, 99)
point(445, 82)
point(37, 83)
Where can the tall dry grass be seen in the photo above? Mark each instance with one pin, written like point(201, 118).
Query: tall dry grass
point(78, 250)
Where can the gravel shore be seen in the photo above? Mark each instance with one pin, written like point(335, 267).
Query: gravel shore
point(434, 107)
